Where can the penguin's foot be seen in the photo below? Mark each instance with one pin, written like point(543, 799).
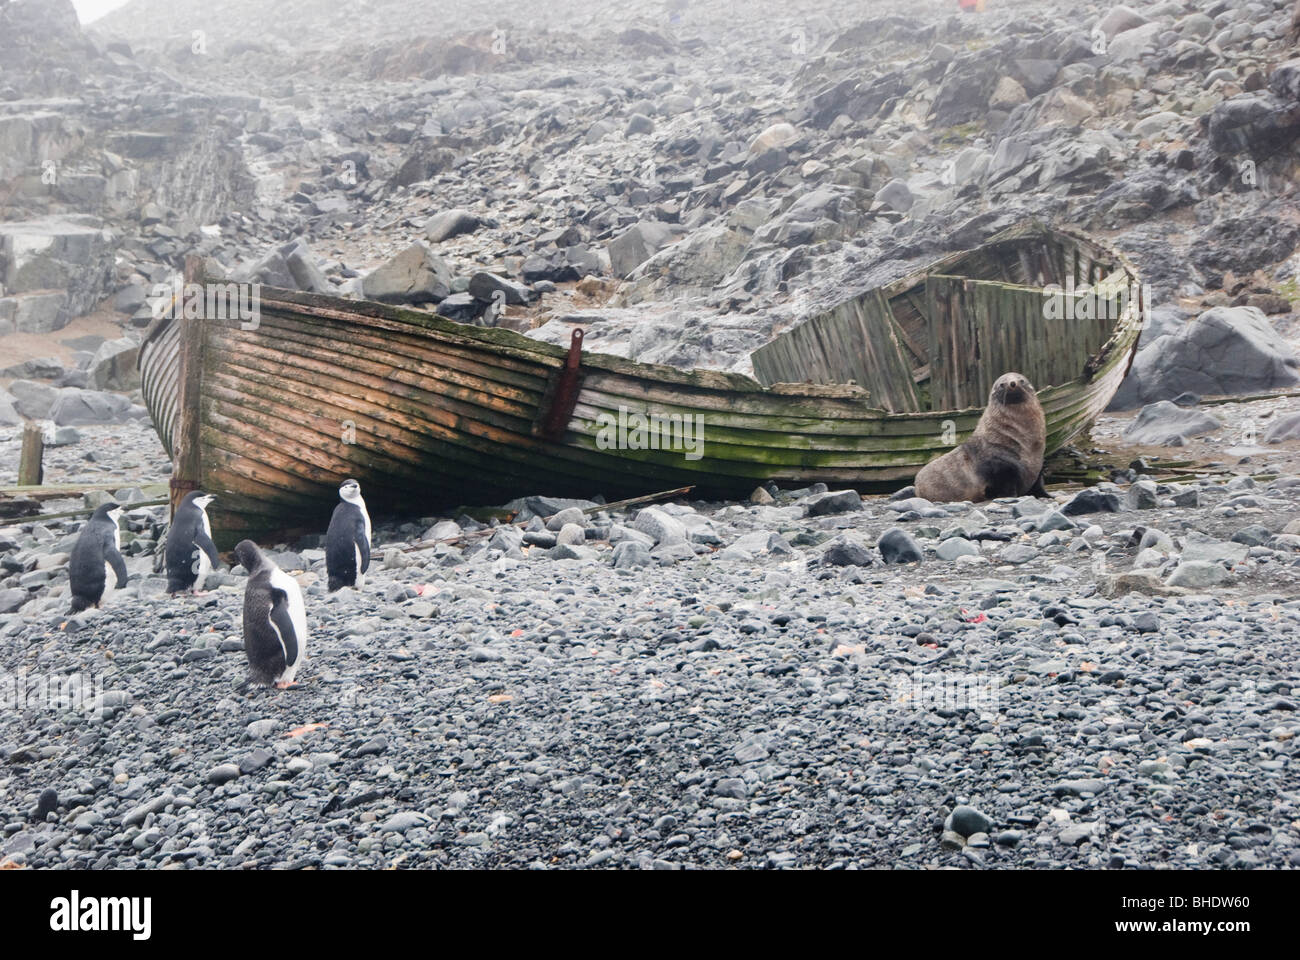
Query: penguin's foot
point(291, 685)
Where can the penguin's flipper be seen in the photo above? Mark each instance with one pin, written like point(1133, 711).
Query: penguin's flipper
point(204, 543)
point(119, 566)
point(282, 621)
point(363, 544)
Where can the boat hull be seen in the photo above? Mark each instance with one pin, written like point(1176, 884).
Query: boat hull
point(429, 414)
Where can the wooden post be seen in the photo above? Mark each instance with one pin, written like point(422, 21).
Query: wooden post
point(187, 462)
point(31, 473)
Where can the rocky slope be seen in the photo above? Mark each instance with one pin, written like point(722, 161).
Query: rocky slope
point(714, 178)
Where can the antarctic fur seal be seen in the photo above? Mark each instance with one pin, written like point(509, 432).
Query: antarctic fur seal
point(1002, 458)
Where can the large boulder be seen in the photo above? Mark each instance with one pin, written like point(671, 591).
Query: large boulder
point(1285, 79)
point(1167, 424)
point(662, 527)
point(637, 244)
point(291, 266)
point(416, 275)
point(426, 159)
point(39, 312)
point(270, 270)
point(695, 264)
point(487, 287)
point(113, 366)
point(1284, 428)
point(1131, 44)
point(71, 254)
point(301, 264)
point(1008, 94)
point(1260, 123)
point(1035, 75)
point(1242, 243)
point(1226, 350)
point(1161, 320)
point(1119, 19)
point(75, 407)
point(450, 223)
point(966, 89)
point(33, 399)
point(29, 139)
point(777, 135)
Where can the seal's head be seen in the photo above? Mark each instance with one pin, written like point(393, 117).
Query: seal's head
point(1011, 388)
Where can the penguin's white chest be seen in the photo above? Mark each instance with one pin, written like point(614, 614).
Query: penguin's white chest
point(110, 575)
point(202, 570)
point(297, 614)
point(202, 565)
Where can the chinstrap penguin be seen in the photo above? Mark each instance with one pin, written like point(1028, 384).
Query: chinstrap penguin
point(97, 553)
point(190, 552)
point(275, 619)
point(347, 541)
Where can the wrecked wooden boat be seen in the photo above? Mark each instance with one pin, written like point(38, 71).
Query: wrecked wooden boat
point(428, 413)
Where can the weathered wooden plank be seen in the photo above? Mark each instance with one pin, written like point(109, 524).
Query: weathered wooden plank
point(406, 351)
point(31, 469)
point(374, 383)
point(771, 446)
point(159, 362)
point(609, 395)
point(187, 459)
point(427, 455)
point(494, 340)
